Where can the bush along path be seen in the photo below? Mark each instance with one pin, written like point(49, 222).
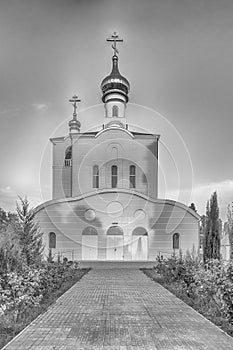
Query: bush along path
point(27, 293)
point(208, 288)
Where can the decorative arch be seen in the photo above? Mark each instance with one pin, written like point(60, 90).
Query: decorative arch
point(89, 231)
point(115, 230)
point(140, 231)
point(52, 240)
point(176, 241)
point(68, 156)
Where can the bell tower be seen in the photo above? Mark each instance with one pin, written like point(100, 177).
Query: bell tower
point(115, 89)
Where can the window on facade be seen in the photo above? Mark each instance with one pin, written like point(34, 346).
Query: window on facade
point(139, 231)
point(176, 241)
point(52, 240)
point(115, 111)
point(95, 176)
point(114, 176)
point(68, 156)
point(132, 176)
point(89, 231)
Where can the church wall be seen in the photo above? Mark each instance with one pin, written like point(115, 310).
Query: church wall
point(89, 151)
point(160, 219)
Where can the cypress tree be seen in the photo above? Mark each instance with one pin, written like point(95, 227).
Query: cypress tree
point(30, 236)
point(230, 229)
point(211, 243)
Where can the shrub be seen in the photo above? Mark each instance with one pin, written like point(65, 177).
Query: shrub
point(209, 285)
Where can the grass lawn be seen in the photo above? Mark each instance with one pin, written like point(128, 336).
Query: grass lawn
point(9, 330)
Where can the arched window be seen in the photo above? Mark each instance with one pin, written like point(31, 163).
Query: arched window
point(68, 156)
point(139, 231)
point(52, 240)
point(115, 231)
point(89, 231)
point(95, 176)
point(115, 111)
point(176, 241)
point(114, 176)
point(132, 176)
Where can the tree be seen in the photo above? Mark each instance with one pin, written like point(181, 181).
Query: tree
point(211, 241)
point(30, 236)
point(202, 229)
point(10, 252)
point(3, 219)
point(193, 207)
point(229, 227)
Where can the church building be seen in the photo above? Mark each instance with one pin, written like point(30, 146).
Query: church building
point(105, 203)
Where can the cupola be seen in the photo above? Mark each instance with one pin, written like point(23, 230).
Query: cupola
point(115, 88)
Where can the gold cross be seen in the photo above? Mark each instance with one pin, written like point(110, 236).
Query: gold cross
point(115, 38)
point(74, 101)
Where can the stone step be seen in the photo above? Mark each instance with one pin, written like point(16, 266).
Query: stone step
point(117, 264)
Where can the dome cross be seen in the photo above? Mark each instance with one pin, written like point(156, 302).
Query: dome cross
point(74, 100)
point(115, 39)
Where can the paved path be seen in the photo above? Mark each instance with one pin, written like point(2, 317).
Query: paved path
point(120, 309)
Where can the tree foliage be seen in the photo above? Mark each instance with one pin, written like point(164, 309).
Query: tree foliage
point(3, 219)
point(211, 241)
point(10, 252)
point(230, 229)
point(30, 236)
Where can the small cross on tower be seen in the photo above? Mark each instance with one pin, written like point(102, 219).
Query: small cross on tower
point(115, 39)
point(74, 101)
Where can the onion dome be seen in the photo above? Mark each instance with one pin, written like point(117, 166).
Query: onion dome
point(74, 125)
point(115, 82)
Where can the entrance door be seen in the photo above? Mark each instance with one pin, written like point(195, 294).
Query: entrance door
point(114, 247)
point(139, 248)
point(89, 243)
point(89, 247)
point(139, 244)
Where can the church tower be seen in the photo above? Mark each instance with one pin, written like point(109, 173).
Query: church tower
point(115, 88)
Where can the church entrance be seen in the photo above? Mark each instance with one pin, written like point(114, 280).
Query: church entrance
point(115, 243)
point(139, 244)
point(89, 244)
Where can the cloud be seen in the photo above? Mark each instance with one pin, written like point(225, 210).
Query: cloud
point(6, 189)
point(7, 198)
point(5, 112)
point(40, 107)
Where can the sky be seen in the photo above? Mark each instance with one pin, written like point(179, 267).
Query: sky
point(177, 56)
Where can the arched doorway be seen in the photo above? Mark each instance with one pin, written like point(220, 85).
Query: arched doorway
point(139, 244)
point(89, 243)
point(115, 237)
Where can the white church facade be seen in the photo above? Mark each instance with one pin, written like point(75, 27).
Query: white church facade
point(105, 202)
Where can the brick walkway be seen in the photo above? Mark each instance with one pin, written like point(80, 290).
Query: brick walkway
point(120, 309)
